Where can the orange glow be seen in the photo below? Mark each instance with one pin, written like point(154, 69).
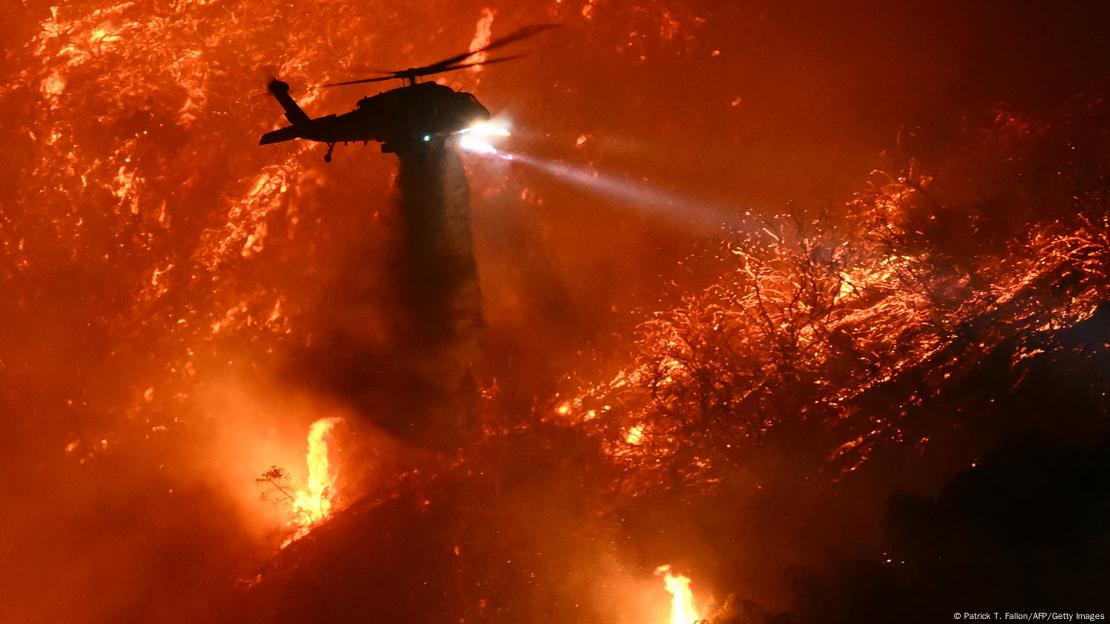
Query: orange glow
point(682, 600)
point(313, 503)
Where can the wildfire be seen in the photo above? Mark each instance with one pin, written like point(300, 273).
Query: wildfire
point(682, 600)
point(312, 504)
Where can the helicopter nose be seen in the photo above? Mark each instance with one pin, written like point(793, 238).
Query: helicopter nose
point(479, 113)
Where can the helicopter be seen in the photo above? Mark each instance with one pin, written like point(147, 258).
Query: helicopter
point(414, 118)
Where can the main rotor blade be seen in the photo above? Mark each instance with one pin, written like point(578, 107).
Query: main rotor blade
point(380, 72)
point(513, 37)
point(409, 73)
point(492, 61)
point(362, 81)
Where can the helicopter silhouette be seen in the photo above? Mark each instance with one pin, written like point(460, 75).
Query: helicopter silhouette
point(414, 118)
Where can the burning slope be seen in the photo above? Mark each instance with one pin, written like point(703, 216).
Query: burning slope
point(828, 363)
point(816, 317)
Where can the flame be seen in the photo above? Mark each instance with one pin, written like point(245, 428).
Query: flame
point(682, 600)
point(483, 30)
point(313, 504)
point(635, 435)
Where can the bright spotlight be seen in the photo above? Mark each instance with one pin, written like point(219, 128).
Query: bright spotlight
point(494, 127)
point(479, 137)
point(476, 145)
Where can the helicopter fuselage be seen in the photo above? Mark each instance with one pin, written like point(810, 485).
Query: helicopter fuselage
point(410, 119)
point(406, 118)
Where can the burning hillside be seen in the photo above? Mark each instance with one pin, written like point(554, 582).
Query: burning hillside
point(243, 385)
point(816, 317)
point(857, 347)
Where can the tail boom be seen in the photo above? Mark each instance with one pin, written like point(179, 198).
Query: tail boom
point(293, 113)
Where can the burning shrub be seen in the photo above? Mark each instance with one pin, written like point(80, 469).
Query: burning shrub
point(814, 316)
